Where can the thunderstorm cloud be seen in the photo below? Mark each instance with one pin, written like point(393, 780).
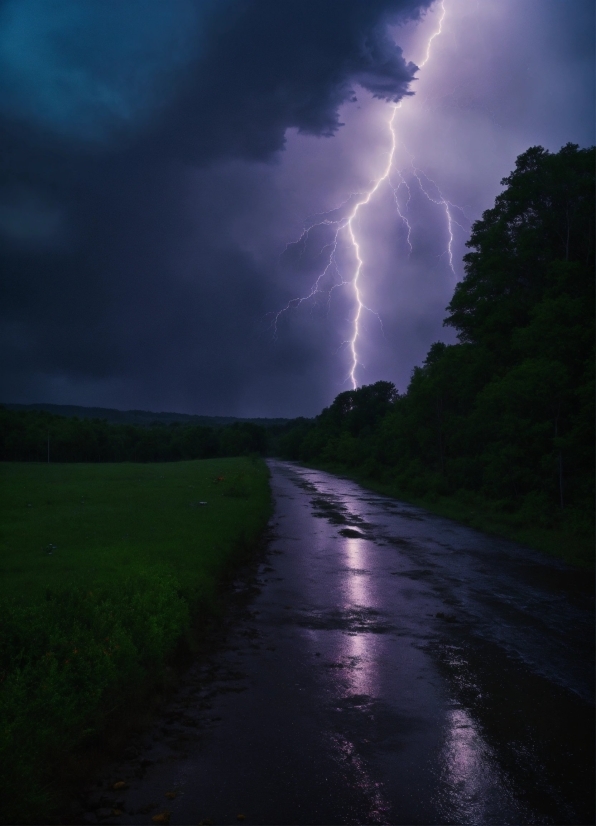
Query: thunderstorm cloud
point(159, 159)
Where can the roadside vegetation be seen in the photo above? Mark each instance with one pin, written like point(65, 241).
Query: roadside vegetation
point(498, 429)
point(105, 568)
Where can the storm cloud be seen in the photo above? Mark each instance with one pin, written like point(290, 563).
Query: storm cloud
point(160, 159)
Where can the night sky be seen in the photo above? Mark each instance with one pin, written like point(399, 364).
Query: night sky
point(175, 174)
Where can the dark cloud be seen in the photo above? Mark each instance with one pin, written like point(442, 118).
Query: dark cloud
point(193, 76)
point(104, 105)
point(92, 71)
point(272, 65)
point(144, 208)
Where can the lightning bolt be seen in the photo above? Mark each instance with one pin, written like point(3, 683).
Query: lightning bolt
point(316, 288)
point(447, 206)
point(433, 35)
point(347, 223)
point(356, 245)
point(403, 182)
point(346, 226)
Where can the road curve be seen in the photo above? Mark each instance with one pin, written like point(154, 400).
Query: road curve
point(386, 666)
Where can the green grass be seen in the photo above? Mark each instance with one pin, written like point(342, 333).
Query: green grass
point(102, 569)
point(109, 521)
point(573, 541)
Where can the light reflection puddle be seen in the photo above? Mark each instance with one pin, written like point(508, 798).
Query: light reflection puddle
point(470, 776)
point(358, 589)
point(354, 657)
point(358, 646)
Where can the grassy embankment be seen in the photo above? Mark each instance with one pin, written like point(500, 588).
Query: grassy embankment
point(105, 568)
point(573, 542)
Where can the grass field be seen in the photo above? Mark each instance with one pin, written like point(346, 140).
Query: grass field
point(102, 568)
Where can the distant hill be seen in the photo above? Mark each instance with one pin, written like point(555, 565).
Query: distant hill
point(142, 417)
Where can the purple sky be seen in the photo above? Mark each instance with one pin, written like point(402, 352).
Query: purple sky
point(151, 236)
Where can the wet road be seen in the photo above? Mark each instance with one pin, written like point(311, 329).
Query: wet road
point(385, 666)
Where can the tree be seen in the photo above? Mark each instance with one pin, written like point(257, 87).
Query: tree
point(545, 215)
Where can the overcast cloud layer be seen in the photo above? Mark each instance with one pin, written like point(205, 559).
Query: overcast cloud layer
point(161, 160)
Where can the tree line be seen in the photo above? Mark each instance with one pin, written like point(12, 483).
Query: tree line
point(508, 411)
point(39, 436)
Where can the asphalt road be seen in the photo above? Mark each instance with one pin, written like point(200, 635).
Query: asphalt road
point(384, 665)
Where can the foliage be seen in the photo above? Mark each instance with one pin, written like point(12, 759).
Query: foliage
point(103, 567)
point(65, 661)
point(507, 413)
point(30, 435)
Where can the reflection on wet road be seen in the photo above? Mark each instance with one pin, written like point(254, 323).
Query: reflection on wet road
point(389, 667)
